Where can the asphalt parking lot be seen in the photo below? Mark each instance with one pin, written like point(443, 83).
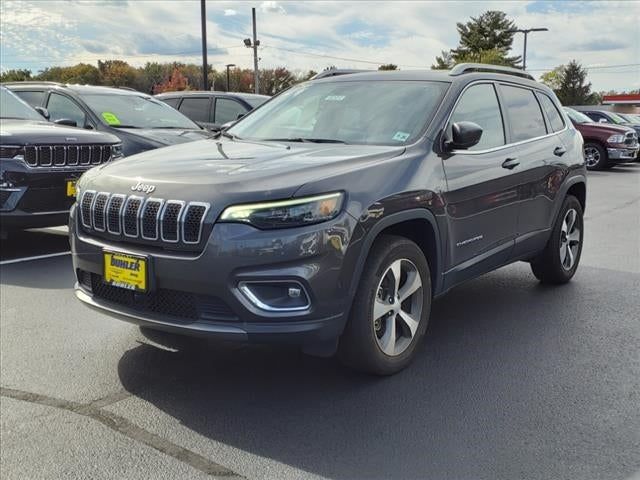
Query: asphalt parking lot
point(514, 381)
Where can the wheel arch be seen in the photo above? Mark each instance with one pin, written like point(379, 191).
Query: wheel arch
point(418, 225)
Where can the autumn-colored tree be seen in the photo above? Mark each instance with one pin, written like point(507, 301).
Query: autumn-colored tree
point(175, 83)
point(117, 73)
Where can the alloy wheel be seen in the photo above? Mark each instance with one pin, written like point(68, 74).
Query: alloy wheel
point(591, 156)
point(569, 239)
point(397, 308)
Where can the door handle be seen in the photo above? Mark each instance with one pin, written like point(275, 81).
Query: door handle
point(510, 163)
point(559, 151)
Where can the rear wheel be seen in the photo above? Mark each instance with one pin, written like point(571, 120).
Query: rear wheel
point(595, 156)
point(391, 309)
point(558, 262)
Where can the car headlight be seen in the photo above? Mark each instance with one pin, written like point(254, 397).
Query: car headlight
point(11, 151)
point(116, 151)
point(286, 213)
point(616, 139)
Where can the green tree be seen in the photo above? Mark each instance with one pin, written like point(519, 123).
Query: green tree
point(15, 75)
point(573, 88)
point(488, 32)
point(388, 66)
point(445, 62)
point(117, 73)
point(553, 79)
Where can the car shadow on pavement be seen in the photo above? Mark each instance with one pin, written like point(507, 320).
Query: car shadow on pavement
point(485, 398)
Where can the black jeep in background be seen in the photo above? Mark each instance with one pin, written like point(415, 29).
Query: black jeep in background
point(213, 110)
point(137, 119)
point(40, 163)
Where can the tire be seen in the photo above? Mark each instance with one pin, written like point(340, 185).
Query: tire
point(595, 156)
point(400, 330)
point(559, 260)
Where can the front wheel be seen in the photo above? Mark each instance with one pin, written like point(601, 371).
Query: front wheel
point(558, 262)
point(391, 308)
point(595, 157)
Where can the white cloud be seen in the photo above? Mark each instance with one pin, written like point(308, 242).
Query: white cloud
point(409, 34)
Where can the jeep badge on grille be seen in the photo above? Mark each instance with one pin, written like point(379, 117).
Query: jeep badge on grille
point(143, 187)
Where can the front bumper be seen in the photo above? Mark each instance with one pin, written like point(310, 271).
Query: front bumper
point(321, 258)
point(623, 153)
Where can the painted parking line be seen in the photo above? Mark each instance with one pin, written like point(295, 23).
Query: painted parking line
point(37, 257)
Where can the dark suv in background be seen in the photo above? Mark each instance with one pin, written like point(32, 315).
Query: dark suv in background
point(40, 163)
point(141, 122)
point(212, 110)
point(331, 216)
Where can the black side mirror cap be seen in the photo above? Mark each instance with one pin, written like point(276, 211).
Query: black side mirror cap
point(42, 111)
point(463, 135)
point(66, 121)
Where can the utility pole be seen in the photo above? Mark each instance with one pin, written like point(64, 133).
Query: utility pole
point(255, 44)
point(203, 19)
point(229, 65)
point(526, 32)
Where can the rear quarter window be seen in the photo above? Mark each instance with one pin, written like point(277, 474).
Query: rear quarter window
point(33, 98)
point(554, 116)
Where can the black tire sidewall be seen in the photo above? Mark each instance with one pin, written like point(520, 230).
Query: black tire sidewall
point(358, 345)
point(604, 159)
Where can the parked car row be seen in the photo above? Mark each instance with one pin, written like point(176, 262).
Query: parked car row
point(604, 143)
point(42, 160)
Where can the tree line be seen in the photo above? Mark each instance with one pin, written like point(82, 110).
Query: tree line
point(484, 39)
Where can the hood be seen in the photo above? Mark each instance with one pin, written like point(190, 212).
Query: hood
point(165, 136)
point(29, 132)
point(603, 128)
point(209, 170)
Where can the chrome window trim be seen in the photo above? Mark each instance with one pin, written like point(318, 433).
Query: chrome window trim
point(84, 194)
point(124, 199)
point(206, 206)
point(137, 222)
point(496, 83)
point(144, 206)
point(179, 216)
point(104, 212)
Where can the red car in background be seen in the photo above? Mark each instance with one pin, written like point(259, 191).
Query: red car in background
point(604, 143)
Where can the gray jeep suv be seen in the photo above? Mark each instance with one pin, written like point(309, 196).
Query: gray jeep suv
point(332, 216)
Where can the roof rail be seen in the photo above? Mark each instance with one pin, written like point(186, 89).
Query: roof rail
point(463, 68)
point(334, 72)
point(125, 88)
point(33, 82)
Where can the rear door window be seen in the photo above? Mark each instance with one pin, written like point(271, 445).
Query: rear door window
point(173, 102)
point(227, 110)
point(554, 116)
point(196, 108)
point(62, 107)
point(525, 116)
point(479, 104)
point(32, 97)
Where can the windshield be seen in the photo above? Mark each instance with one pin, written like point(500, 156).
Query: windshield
point(255, 101)
point(135, 111)
point(354, 112)
point(577, 116)
point(12, 107)
point(617, 118)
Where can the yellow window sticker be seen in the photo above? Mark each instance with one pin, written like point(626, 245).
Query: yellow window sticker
point(110, 118)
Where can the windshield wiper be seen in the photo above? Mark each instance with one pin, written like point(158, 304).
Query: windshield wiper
point(172, 128)
point(303, 140)
point(124, 126)
point(227, 135)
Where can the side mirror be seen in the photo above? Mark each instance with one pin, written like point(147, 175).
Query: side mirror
point(603, 120)
point(66, 121)
point(42, 111)
point(240, 115)
point(463, 135)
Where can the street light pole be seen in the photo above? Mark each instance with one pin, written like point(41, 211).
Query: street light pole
point(254, 44)
point(229, 65)
point(526, 32)
point(203, 19)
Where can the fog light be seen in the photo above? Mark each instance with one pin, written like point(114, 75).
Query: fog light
point(276, 295)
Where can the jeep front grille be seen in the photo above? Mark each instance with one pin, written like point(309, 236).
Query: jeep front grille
point(133, 217)
point(66, 155)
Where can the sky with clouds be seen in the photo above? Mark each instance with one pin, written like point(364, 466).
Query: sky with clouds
point(302, 35)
